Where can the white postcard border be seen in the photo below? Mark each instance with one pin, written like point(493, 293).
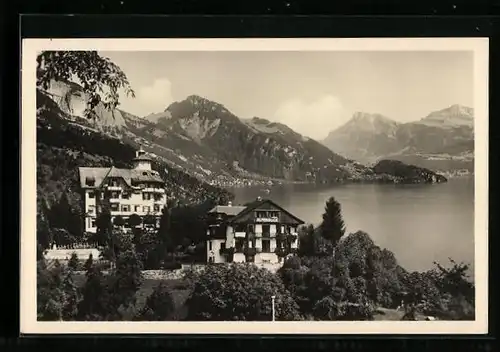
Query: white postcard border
point(28, 316)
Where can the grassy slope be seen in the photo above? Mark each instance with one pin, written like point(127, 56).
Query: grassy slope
point(179, 293)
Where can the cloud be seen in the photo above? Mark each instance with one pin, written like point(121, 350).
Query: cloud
point(155, 97)
point(313, 119)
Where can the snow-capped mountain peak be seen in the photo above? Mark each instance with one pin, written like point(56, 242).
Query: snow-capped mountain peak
point(376, 123)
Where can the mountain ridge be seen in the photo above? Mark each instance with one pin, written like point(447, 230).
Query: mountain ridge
point(443, 140)
point(209, 142)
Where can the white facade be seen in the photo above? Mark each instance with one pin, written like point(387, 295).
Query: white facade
point(141, 202)
point(125, 191)
point(142, 165)
point(230, 237)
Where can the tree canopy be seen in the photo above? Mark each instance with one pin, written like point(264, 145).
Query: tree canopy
point(100, 78)
point(239, 292)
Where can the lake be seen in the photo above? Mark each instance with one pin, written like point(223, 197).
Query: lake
point(420, 224)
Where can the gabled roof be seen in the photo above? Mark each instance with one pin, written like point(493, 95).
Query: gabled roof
point(142, 158)
point(145, 175)
point(99, 174)
point(256, 204)
point(114, 172)
point(230, 210)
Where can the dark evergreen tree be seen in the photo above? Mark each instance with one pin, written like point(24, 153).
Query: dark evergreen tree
point(43, 232)
point(124, 283)
point(306, 241)
point(164, 234)
point(104, 235)
point(159, 305)
point(70, 309)
point(332, 228)
point(89, 263)
point(75, 224)
point(60, 213)
point(94, 305)
point(73, 263)
point(50, 293)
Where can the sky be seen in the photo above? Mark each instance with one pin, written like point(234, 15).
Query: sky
point(311, 92)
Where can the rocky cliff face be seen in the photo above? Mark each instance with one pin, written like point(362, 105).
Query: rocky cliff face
point(443, 140)
point(73, 101)
point(256, 146)
point(453, 116)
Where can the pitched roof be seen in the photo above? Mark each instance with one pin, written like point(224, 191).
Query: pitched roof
point(230, 210)
point(99, 174)
point(142, 158)
point(145, 175)
point(257, 203)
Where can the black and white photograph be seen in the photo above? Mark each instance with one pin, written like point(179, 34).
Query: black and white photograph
point(232, 185)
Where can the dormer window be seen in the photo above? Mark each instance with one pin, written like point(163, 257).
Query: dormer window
point(90, 181)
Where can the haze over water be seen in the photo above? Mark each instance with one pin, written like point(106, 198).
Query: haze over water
point(419, 223)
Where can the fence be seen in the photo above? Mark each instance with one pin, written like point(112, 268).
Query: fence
point(79, 245)
point(65, 254)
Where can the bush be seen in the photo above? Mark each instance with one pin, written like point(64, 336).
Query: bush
point(94, 305)
point(239, 292)
point(172, 266)
point(56, 294)
point(330, 309)
point(443, 292)
point(159, 305)
point(74, 263)
point(125, 281)
point(359, 276)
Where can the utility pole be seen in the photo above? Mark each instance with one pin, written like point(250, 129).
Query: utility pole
point(272, 303)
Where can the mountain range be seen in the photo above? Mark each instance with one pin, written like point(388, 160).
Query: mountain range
point(442, 141)
point(205, 140)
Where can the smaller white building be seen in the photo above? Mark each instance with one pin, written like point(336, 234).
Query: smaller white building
point(260, 232)
point(125, 192)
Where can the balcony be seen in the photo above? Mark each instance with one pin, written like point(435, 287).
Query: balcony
point(250, 251)
point(240, 234)
point(114, 200)
point(153, 190)
point(114, 188)
point(227, 251)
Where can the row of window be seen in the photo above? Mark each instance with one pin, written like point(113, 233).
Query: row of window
point(92, 223)
point(239, 245)
point(128, 208)
point(126, 195)
point(118, 182)
point(267, 214)
point(264, 229)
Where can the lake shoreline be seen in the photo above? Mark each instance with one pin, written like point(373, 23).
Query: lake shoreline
point(420, 223)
